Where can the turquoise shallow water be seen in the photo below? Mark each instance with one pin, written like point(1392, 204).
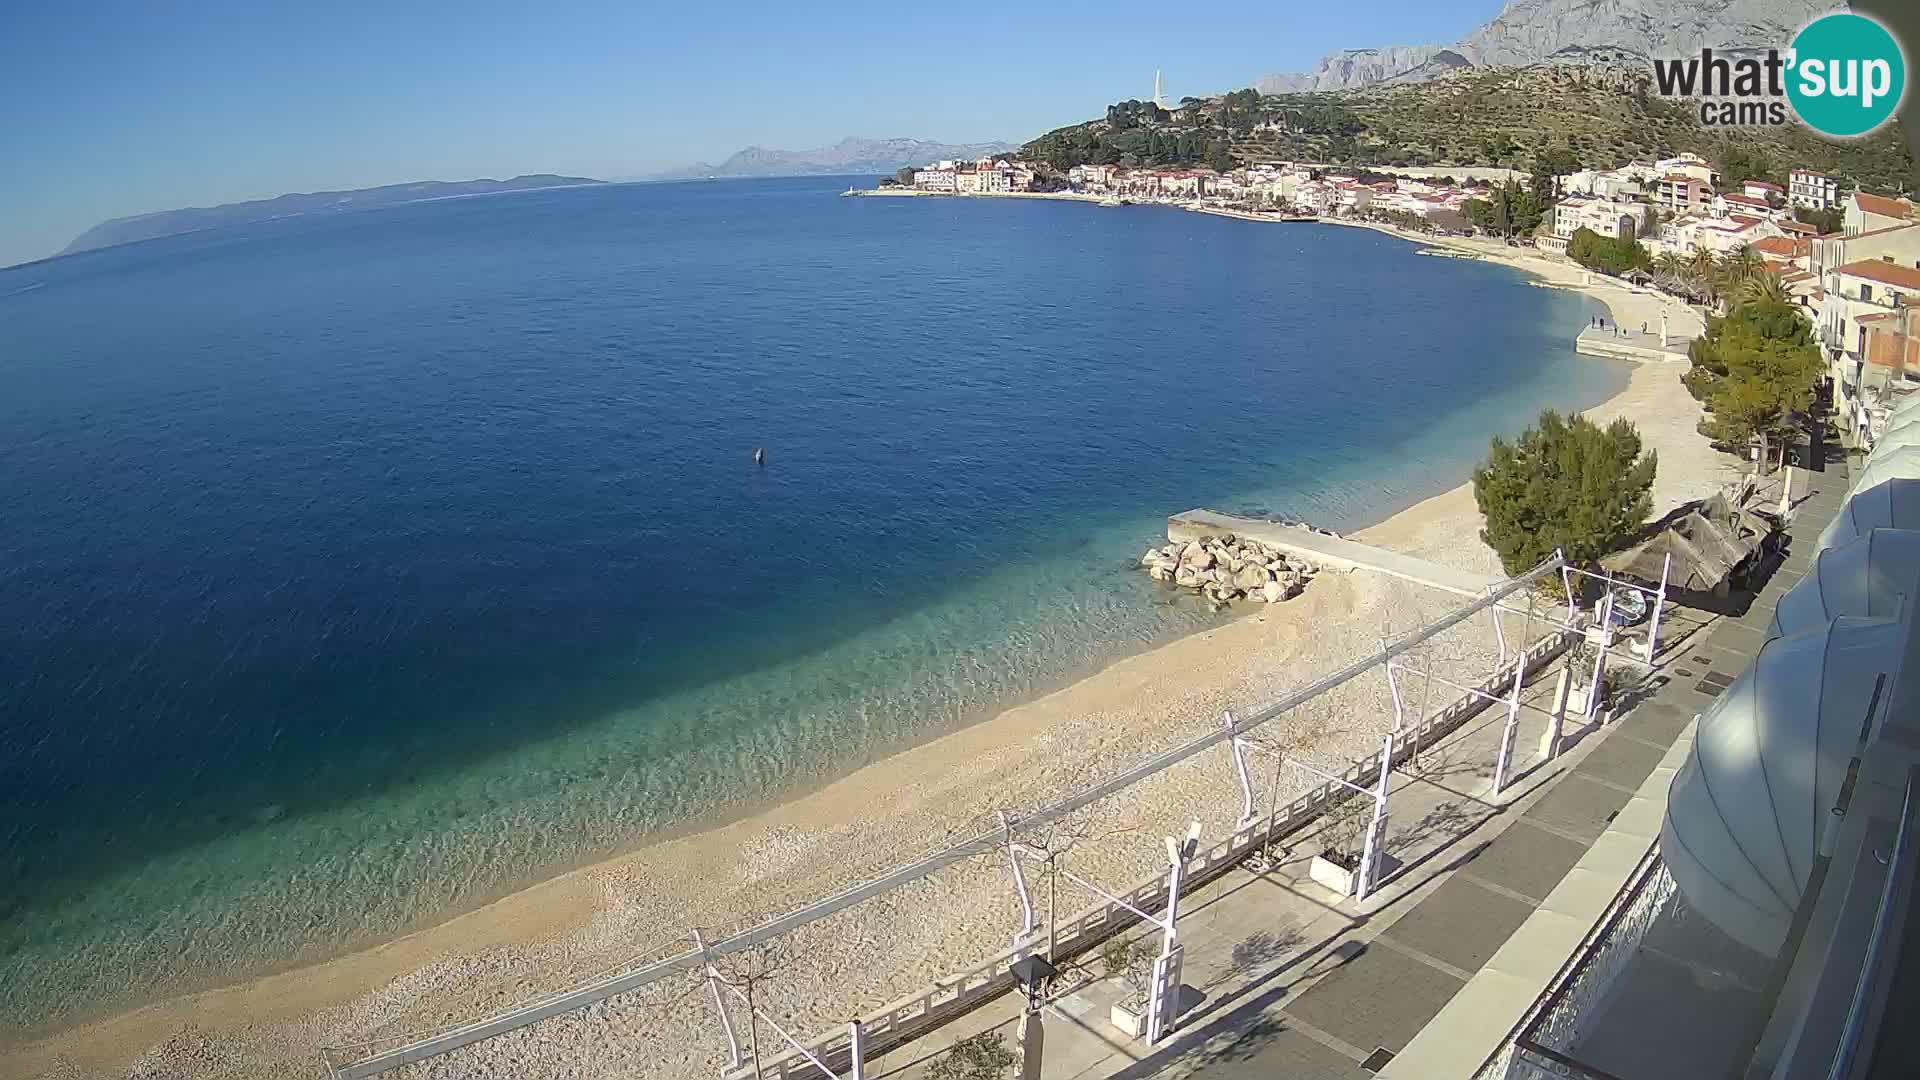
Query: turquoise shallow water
point(356, 568)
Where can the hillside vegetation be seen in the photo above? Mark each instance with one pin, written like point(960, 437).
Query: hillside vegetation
point(1602, 116)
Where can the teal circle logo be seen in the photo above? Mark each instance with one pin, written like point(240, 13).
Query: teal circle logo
point(1846, 75)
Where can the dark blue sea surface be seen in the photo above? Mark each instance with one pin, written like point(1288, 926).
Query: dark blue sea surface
point(356, 568)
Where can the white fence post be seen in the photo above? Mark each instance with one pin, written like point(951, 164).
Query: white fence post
point(857, 1048)
point(1595, 688)
point(719, 1003)
point(1237, 746)
point(1019, 884)
point(1557, 723)
point(1659, 601)
point(1376, 829)
point(1504, 765)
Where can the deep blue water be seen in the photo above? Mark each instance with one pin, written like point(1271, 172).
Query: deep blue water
point(354, 568)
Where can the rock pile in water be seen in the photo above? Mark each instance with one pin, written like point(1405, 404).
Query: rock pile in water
point(1226, 568)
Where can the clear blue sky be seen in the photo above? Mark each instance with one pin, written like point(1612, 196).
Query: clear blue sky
point(108, 109)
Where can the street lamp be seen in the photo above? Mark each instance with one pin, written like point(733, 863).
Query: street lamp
point(1031, 974)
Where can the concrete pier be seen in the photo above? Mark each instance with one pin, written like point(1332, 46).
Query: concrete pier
point(1649, 348)
point(1327, 551)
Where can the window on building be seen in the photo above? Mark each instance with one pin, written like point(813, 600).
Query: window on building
point(1866, 292)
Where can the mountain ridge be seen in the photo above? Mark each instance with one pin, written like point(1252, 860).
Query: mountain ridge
point(853, 154)
point(160, 223)
point(1527, 32)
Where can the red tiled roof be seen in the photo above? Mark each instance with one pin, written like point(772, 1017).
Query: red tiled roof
point(1764, 185)
point(1887, 273)
point(1882, 230)
point(1744, 221)
point(1785, 247)
point(1883, 206)
point(1747, 200)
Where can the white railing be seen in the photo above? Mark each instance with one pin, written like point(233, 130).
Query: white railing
point(953, 996)
point(911, 1017)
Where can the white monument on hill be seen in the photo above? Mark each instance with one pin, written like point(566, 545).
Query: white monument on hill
point(1159, 95)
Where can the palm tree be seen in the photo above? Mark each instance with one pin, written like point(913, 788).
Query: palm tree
point(1670, 264)
point(1764, 287)
point(1703, 264)
point(1738, 265)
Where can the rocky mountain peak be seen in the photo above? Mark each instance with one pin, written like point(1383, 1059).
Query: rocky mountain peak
point(1543, 31)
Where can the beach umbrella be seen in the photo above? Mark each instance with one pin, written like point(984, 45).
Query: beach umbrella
point(1874, 574)
point(1894, 504)
point(1746, 811)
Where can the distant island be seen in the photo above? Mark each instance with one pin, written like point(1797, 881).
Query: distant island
point(850, 155)
point(126, 230)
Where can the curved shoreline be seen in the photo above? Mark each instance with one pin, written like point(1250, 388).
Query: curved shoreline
point(598, 899)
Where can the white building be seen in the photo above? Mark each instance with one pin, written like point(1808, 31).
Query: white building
point(1616, 220)
point(934, 179)
point(1690, 166)
point(1870, 213)
point(1093, 176)
point(1689, 232)
point(1812, 189)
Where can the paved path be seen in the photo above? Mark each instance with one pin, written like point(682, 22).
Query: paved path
point(1285, 980)
point(1328, 550)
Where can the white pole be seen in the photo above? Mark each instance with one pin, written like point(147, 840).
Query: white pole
point(1238, 747)
point(1605, 611)
point(1786, 492)
point(1557, 725)
point(1659, 601)
point(719, 1004)
point(1505, 763)
point(1499, 632)
point(1019, 884)
point(1177, 871)
point(1393, 687)
point(857, 1047)
point(1370, 854)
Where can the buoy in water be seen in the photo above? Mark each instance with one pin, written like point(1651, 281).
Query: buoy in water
point(760, 456)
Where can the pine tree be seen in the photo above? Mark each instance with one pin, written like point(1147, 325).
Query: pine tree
point(1563, 484)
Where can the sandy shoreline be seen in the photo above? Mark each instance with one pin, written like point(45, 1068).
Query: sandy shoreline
point(601, 915)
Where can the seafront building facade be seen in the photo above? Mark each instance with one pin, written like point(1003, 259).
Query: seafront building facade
point(1813, 190)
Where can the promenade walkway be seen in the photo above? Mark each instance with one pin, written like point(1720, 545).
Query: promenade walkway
point(1285, 979)
point(1633, 345)
point(1329, 551)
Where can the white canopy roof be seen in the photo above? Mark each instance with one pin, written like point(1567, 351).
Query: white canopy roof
point(1907, 409)
point(1867, 575)
point(1898, 463)
point(1894, 504)
point(1898, 436)
point(1747, 811)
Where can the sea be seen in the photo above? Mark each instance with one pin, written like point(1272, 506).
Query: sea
point(357, 568)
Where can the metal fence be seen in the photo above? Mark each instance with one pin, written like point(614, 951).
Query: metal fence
point(951, 997)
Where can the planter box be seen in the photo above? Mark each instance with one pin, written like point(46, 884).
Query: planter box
point(1332, 875)
point(1123, 1016)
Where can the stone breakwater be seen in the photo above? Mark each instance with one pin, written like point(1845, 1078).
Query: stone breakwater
point(1228, 568)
